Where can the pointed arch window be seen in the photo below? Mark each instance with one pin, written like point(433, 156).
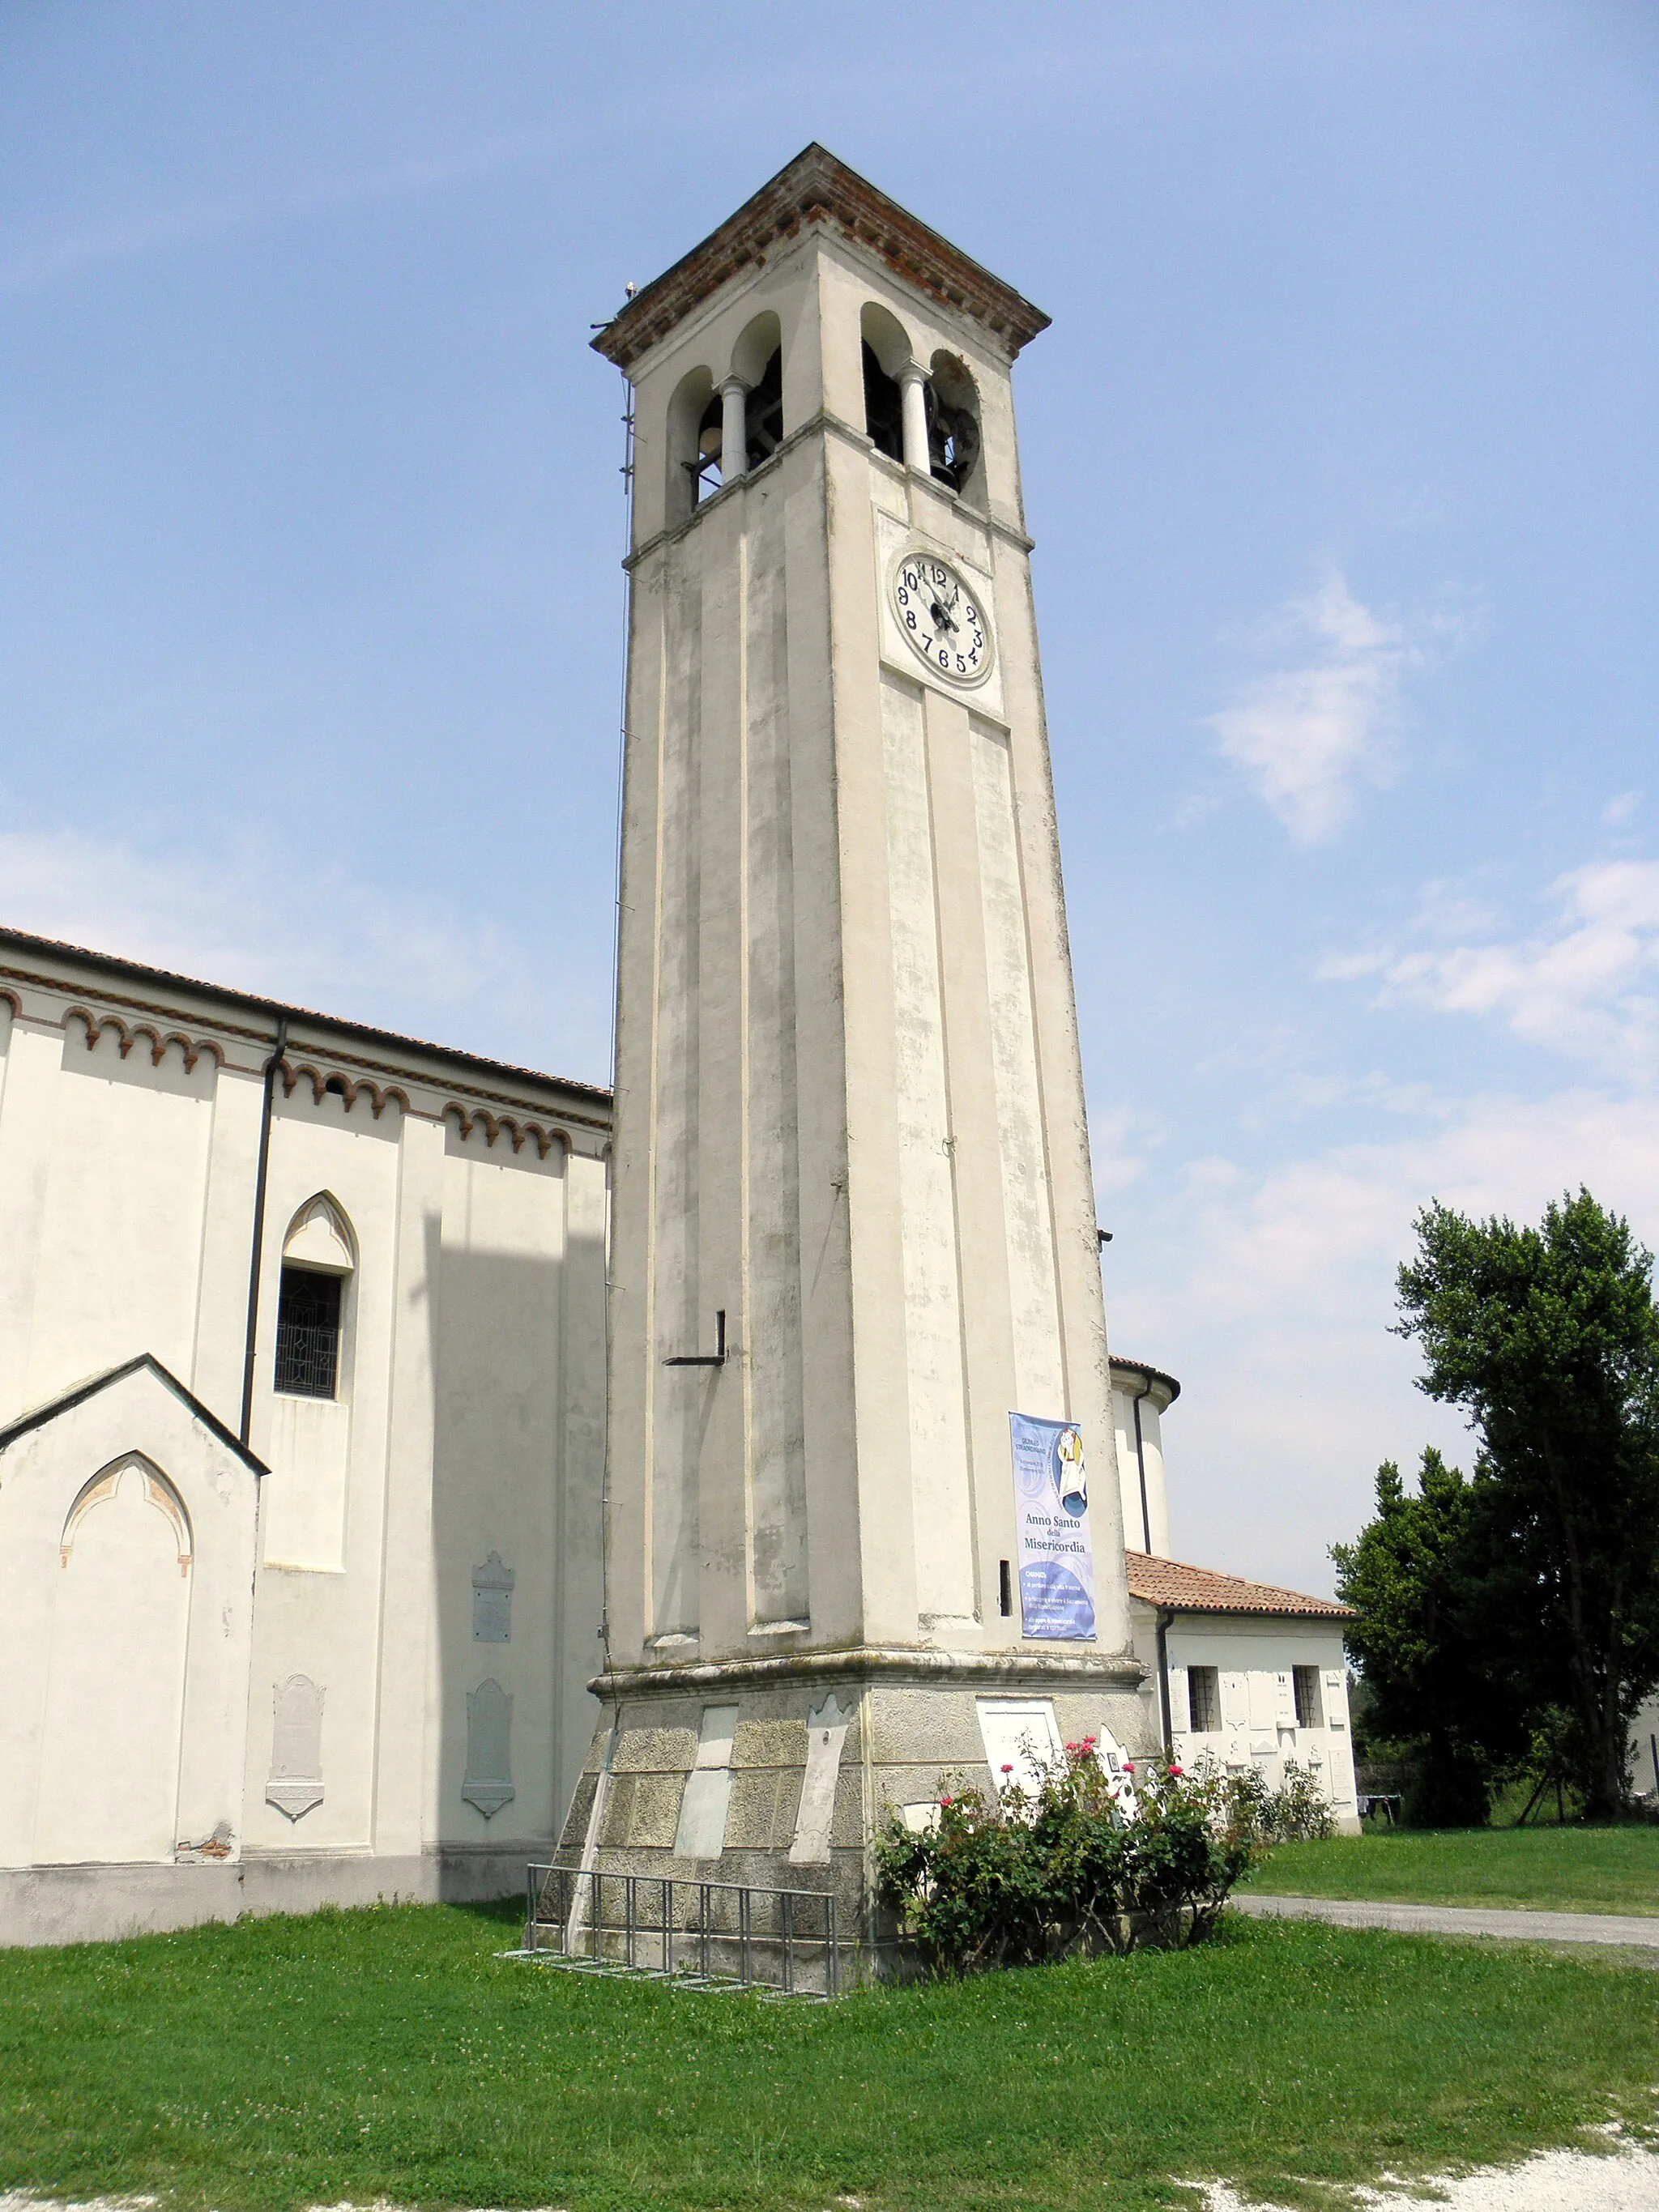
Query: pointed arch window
point(317, 1263)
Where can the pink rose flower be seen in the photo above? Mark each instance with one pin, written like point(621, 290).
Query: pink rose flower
point(1007, 1769)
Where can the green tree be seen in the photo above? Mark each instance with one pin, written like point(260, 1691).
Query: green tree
point(1408, 1578)
point(1548, 1339)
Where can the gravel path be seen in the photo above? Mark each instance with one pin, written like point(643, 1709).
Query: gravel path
point(1627, 2180)
point(1621, 1927)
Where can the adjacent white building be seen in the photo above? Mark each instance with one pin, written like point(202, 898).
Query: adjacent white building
point(1239, 1673)
point(300, 1562)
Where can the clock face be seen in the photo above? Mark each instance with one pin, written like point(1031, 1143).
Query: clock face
point(942, 617)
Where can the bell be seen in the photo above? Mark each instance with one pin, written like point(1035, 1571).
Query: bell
point(708, 441)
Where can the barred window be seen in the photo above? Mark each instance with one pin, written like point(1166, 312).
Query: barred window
point(1308, 1714)
point(308, 1334)
point(1203, 1700)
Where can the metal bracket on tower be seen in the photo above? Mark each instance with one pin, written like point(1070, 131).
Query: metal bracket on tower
point(714, 1358)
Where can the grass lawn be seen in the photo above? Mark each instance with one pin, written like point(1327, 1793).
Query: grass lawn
point(1556, 1869)
point(388, 2054)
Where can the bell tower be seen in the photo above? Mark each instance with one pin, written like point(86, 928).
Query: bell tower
point(853, 1222)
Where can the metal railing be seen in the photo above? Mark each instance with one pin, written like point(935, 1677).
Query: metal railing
point(708, 1935)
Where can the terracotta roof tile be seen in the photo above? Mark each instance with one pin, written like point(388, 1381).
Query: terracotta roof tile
point(1180, 1588)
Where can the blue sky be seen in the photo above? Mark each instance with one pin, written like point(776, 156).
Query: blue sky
point(1341, 457)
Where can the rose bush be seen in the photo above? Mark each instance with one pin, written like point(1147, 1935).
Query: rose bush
point(1087, 1860)
point(1298, 1812)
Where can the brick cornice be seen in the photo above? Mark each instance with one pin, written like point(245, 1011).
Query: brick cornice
point(816, 188)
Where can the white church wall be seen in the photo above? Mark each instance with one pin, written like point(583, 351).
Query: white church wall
point(115, 1149)
point(580, 1555)
point(220, 1348)
point(126, 1210)
point(324, 1570)
point(1148, 1517)
point(125, 1631)
point(498, 1470)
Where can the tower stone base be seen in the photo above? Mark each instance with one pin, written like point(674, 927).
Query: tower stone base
point(781, 1772)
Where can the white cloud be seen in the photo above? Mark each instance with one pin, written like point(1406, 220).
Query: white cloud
point(1306, 736)
point(253, 922)
point(1618, 811)
point(1118, 1143)
point(1586, 986)
point(1270, 1294)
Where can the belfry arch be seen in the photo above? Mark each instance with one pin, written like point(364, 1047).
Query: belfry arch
point(693, 445)
point(886, 351)
point(757, 367)
point(955, 445)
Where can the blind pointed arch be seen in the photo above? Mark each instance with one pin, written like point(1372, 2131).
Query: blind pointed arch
point(157, 1491)
point(320, 1236)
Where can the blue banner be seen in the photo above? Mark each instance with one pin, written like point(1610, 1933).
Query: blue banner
point(1056, 1554)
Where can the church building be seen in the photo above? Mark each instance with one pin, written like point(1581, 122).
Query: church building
point(302, 1453)
point(412, 1467)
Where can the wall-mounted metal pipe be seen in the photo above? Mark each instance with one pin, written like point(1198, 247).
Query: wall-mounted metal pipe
point(256, 1256)
point(1141, 1463)
point(1164, 1622)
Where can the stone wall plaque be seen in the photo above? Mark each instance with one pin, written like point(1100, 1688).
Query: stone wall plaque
point(296, 1748)
point(826, 1733)
point(492, 1601)
point(701, 1831)
point(488, 1784)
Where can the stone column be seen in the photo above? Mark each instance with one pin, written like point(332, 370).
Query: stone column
point(734, 430)
point(913, 387)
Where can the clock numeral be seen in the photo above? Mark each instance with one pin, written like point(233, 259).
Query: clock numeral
point(911, 619)
point(962, 665)
point(944, 657)
point(970, 614)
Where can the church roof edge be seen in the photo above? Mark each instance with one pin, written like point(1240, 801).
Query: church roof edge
point(77, 1394)
point(22, 941)
point(1145, 1367)
point(817, 187)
